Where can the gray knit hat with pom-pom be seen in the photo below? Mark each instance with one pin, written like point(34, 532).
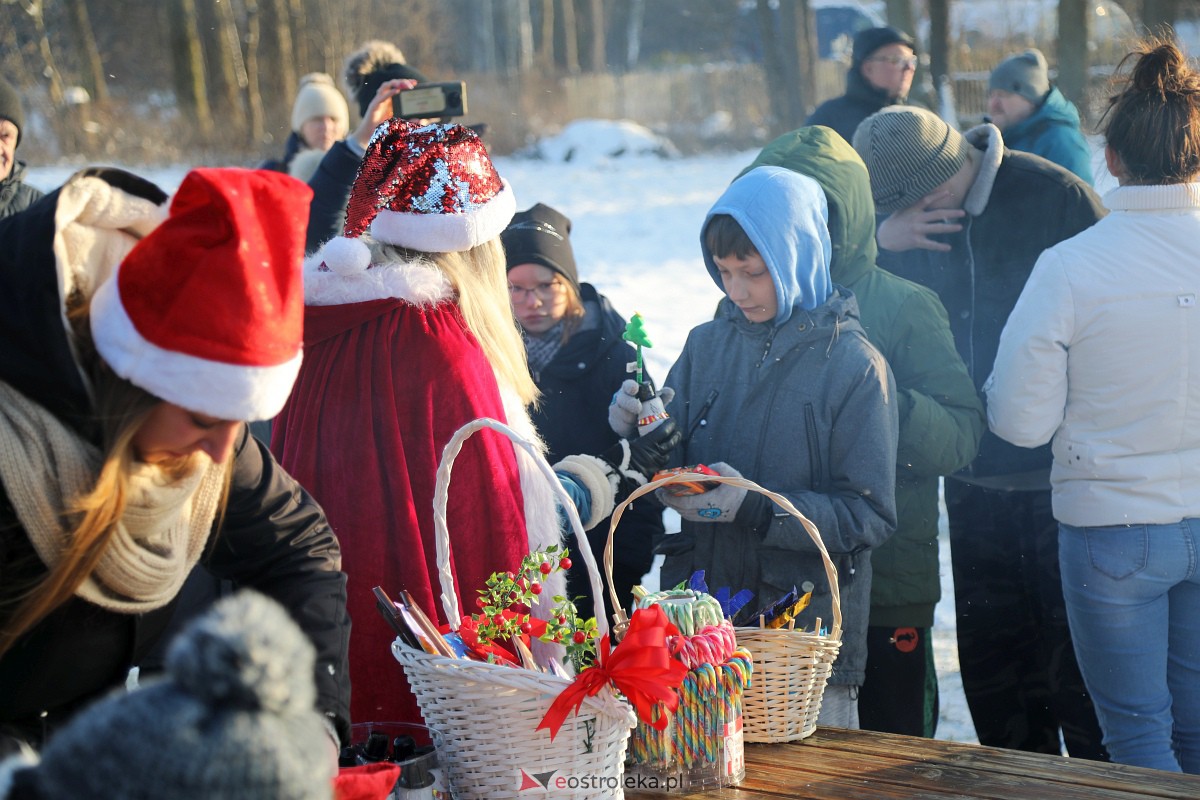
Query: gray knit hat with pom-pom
point(234, 718)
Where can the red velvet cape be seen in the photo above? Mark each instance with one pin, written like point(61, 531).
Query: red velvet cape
point(383, 387)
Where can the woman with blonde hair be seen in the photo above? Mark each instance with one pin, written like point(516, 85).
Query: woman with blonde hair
point(135, 346)
point(408, 337)
point(1098, 356)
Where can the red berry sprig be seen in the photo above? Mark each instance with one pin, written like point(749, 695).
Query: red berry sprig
point(504, 607)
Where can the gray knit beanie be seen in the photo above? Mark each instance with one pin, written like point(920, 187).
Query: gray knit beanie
point(909, 152)
point(233, 718)
point(1026, 74)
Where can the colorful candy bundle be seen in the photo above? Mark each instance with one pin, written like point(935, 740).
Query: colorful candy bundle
point(700, 745)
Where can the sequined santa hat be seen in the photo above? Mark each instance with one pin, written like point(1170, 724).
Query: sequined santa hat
point(207, 310)
point(431, 188)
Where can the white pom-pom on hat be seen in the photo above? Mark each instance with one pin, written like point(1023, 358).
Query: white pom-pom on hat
point(345, 256)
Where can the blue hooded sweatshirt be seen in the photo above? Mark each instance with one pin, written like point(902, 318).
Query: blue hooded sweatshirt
point(786, 217)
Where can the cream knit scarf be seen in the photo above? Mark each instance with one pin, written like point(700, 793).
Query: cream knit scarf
point(44, 465)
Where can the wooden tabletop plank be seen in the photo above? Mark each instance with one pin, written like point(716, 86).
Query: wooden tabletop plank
point(1077, 771)
point(860, 765)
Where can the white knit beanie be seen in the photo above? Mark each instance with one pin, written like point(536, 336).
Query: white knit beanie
point(318, 97)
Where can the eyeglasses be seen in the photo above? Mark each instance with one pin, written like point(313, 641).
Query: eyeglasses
point(908, 62)
point(543, 291)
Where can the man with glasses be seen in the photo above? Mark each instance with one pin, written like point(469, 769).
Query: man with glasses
point(881, 74)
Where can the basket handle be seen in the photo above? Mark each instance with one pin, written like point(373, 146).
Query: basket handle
point(830, 570)
point(442, 532)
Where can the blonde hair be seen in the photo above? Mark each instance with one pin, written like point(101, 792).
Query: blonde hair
point(121, 408)
point(573, 316)
point(479, 279)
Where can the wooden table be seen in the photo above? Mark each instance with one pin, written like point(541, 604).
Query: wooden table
point(862, 765)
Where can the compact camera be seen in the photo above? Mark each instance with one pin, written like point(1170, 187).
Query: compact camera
point(431, 100)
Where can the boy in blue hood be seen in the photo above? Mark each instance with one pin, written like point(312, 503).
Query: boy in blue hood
point(784, 389)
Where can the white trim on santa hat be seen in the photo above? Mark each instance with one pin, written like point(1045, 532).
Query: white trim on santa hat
point(217, 389)
point(446, 233)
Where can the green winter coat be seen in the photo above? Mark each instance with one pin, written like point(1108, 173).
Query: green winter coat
point(941, 416)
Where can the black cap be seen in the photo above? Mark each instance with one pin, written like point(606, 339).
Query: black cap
point(10, 107)
point(541, 236)
point(364, 92)
point(869, 40)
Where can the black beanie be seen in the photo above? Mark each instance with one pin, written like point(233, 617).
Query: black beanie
point(869, 40)
point(365, 91)
point(540, 236)
point(10, 108)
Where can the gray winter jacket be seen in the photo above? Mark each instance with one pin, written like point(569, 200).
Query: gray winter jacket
point(806, 409)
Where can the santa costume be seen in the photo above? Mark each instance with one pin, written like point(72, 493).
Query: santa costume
point(391, 371)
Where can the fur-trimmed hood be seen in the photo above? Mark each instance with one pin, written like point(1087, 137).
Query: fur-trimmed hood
point(342, 272)
point(373, 55)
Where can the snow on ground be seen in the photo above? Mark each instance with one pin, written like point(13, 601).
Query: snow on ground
point(635, 230)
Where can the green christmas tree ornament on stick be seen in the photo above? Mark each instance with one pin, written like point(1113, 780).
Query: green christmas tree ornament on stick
point(635, 334)
point(652, 413)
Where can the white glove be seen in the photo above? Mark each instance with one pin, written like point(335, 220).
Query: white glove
point(625, 408)
point(719, 504)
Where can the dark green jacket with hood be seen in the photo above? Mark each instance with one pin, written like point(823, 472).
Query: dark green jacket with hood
point(941, 417)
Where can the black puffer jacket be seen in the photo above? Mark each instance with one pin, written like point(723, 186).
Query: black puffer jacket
point(860, 101)
point(331, 185)
point(15, 194)
point(572, 417)
point(1032, 205)
point(274, 538)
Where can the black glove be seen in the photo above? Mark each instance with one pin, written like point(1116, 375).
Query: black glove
point(638, 459)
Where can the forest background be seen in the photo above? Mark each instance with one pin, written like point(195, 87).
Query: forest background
point(212, 81)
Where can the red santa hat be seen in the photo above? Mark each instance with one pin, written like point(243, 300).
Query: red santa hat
point(207, 310)
point(431, 188)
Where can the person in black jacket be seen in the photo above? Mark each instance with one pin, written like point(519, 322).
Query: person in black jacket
point(133, 346)
point(880, 75)
point(578, 358)
point(15, 194)
point(968, 218)
point(373, 75)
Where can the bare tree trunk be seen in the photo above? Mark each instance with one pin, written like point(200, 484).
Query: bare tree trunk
point(275, 20)
point(633, 33)
point(570, 31)
point(190, 88)
point(599, 59)
point(778, 113)
point(522, 34)
point(85, 44)
point(1157, 15)
point(228, 69)
point(299, 26)
point(798, 54)
point(328, 31)
point(900, 16)
point(1072, 51)
point(479, 18)
point(939, 45)
point(253, 89)
point(33, 8)
point(545, 50)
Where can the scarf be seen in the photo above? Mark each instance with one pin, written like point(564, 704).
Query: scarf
point(44, 466)
point(540, 349)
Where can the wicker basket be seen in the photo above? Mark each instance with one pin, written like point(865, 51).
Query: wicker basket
point(791, 667)
point(489, 713)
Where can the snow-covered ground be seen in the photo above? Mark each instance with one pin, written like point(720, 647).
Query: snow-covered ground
point(636, 225)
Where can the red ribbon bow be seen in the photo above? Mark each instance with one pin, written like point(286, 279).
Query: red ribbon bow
point(640, 667)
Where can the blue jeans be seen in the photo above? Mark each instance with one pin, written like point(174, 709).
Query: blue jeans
point(1133, 602)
